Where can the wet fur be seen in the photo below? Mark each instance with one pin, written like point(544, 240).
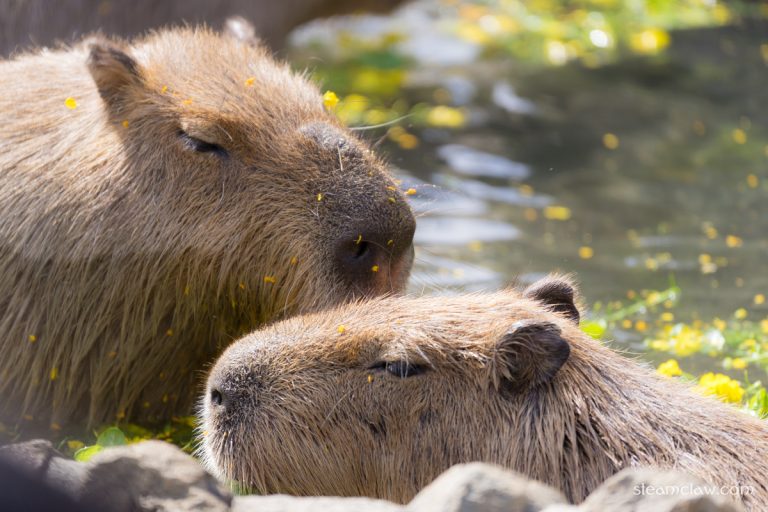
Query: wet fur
point(316, 425)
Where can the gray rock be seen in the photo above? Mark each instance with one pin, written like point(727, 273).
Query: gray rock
point(654, 490)
point(152, 476)
point(41, 461)
point(478, 487)
point(282, 503)
point(149, 476)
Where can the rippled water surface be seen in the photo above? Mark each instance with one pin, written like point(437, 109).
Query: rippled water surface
point(629, 173)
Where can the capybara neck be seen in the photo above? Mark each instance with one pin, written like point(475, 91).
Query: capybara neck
point(378, 398)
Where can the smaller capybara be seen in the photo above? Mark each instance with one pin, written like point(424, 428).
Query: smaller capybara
point(160, 198)
point(378, 398)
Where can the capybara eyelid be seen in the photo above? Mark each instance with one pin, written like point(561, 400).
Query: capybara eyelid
point(201, 146)
point(399, 368)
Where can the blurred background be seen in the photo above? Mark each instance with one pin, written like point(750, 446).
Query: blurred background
point(624, 141)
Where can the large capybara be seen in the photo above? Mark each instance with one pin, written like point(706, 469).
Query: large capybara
point(159, 199)
point(378, 398)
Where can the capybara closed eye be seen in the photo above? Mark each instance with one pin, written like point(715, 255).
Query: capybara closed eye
point(413, 386)
point(160, 198)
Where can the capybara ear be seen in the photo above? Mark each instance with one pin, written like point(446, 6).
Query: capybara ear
point(113, 70)
point(242, 30)
point(558, 293)
point(528, 355)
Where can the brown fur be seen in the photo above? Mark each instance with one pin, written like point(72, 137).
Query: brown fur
point(131, 259)
point(506, 379)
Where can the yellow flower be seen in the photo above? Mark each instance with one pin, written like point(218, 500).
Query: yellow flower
point(738, 363)
point(330, 100)
point(557, 213)
point(610, 141)
point(670, 368)
point(446, 117)
point(586, 253)
point(686, 341)
point(657, 345)
point(721, 386)
point(740, 314)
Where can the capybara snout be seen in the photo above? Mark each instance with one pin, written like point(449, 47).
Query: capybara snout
point(187, 189)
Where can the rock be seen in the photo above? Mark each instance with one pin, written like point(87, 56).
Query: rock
point(478, 487)
point(149, 476)
point(653, 490)
point(40, 460)
point(282, 503)
point(152, 476)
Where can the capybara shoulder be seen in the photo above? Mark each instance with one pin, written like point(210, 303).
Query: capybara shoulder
point(161, 197)
point(380, 397)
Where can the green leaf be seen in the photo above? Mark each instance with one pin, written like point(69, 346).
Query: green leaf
point(85, 454)
point(595, 328)
point(112, 436)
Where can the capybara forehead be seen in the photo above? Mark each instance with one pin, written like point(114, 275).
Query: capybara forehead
point(201, 68)
point(435, 330)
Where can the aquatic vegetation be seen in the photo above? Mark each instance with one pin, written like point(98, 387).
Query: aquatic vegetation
point(737, 346)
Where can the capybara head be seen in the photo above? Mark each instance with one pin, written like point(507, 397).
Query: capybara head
point(378, 398)
point(162, 197)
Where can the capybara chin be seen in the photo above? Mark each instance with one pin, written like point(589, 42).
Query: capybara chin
point(158, 199)
point(378, 398)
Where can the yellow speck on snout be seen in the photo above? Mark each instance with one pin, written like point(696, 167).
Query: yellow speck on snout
point(341, 329)
point(319, 197)
point(249, 81)
point(375, 268)
point(125, 123)
point(370, 379)
point(410, 192)
point(359, 239)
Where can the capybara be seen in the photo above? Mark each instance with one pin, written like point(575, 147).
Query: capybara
point(159, 199)
point(43, 22)
point(378, 398)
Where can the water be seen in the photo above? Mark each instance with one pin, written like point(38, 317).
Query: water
point(655, 166)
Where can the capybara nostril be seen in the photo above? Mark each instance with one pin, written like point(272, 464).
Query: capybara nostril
point(376, 261)
point(216, 397)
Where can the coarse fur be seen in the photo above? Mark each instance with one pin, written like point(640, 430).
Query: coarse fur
point(306, 407)
point(197, 190)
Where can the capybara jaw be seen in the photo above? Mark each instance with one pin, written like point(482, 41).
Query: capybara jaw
point(377, 398)
point(189, 190)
